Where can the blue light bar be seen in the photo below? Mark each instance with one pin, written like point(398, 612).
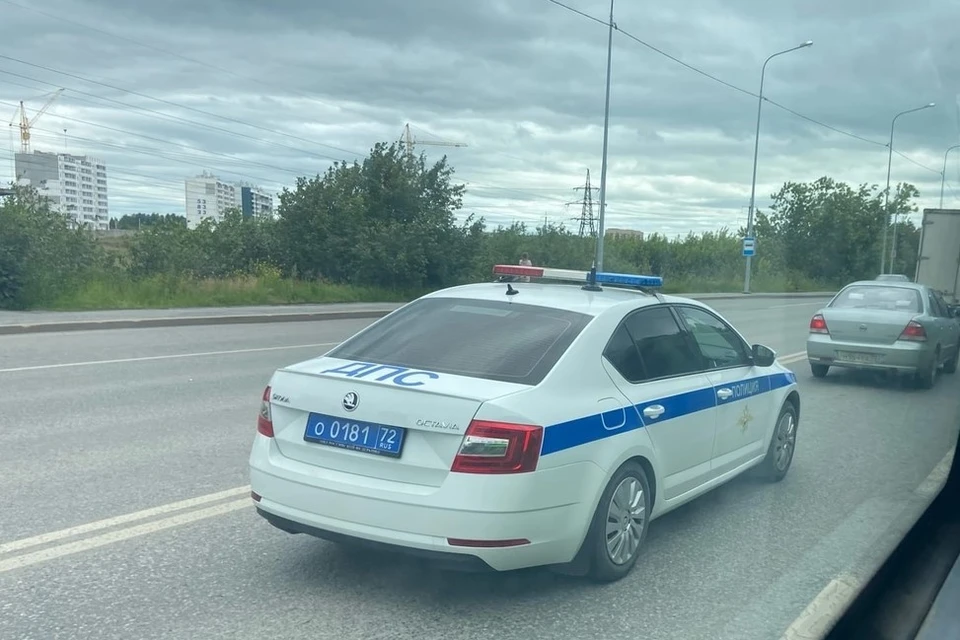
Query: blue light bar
point(629, 280)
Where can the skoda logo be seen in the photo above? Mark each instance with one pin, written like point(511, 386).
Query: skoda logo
point(350, 401)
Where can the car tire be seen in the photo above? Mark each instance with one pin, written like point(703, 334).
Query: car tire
point(927, 378)
point(622, 488)
point(951, 365)
point(783, 442)
point(819, 370)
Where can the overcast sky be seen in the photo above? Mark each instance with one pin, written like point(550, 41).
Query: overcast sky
point(264, 92)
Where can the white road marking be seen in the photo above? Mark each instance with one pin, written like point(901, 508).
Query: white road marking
point(822, 613)
point(815, 303)
point(69, 548)
point(53, 536)
point(165, 357)
point(792, 357)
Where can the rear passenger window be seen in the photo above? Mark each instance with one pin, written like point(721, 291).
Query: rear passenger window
point(663, 349)
point(623, 355)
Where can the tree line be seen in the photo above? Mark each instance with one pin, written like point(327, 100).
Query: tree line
point(389, 221)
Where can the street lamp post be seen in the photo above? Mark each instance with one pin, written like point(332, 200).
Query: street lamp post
point(598, 257)
point(886, 195)
point(756, 150)
point(943, 174)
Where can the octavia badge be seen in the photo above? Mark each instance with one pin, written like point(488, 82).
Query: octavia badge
point(351, 401)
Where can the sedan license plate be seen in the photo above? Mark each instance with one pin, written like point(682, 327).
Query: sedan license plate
point(379, 439)
point(858, 358)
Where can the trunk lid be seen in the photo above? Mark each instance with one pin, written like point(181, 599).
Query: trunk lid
point(413, 420)
point(866, 326)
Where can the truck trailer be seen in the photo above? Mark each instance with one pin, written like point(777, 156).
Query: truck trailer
point(938, 257)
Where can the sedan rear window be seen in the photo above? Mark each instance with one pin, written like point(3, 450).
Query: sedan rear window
point(879, 297)
point(503, 341)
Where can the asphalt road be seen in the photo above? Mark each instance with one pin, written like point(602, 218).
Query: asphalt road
point(95, 425)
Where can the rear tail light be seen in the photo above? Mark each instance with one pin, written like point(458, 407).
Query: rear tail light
point(499, 447)
point(818, 324)
point(265, 419)
point(914, 331)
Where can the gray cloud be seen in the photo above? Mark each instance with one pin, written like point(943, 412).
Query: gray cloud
point(520, 82)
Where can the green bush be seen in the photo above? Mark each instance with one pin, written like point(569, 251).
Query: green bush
point(385, 229)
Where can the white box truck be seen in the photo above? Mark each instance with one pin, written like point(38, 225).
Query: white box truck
point(938, 264)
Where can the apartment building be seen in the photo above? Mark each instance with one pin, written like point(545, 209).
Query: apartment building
point(207, 196)
point(73, 185)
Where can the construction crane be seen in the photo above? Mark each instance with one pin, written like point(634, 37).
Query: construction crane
point(408, 140)
point(26, 123)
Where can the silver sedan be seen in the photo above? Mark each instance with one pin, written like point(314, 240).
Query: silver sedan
point(898, 327)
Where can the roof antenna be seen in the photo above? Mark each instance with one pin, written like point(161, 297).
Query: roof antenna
point(592, 279)
point(511, 291)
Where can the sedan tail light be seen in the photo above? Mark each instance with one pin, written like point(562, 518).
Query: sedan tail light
point(499, 447)
point(265, 419)
point(818, 324)
point(914, 331)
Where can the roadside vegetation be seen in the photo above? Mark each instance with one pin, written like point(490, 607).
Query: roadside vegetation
point(385, 229)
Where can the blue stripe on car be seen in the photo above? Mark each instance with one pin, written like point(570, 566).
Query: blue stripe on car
point(587, 429)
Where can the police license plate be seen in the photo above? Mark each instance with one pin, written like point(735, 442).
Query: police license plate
point(858, 358)
point(379, 439)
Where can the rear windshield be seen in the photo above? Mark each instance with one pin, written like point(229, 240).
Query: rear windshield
point(503, 341)
point(879, 297)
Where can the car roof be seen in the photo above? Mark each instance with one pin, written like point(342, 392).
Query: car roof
point(903, 284)
point(571, 297)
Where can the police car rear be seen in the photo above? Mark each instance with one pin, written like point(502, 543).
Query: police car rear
point(397, 436)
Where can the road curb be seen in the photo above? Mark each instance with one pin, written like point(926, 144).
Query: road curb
point(304, 316)
point(186, 321)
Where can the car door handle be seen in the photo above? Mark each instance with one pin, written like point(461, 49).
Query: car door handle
point(723, 394)
point(654, 411)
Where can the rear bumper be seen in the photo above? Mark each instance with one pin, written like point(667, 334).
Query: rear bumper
point(549, 508)
point(901, 356)
point(457, 561)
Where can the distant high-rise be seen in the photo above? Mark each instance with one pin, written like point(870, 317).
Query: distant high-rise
point(255, 202)
point(73, 185)
point(207, 196)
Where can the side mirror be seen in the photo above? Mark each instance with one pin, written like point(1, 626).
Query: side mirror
point(763, 356)
point(955, 311)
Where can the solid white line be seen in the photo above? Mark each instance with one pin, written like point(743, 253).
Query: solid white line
point(53, 536)
point(165, 357)
point(18, 562)
point(818, 303)
point(792, 357)
point(822, 613)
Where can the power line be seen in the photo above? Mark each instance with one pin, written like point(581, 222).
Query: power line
point(174, 104)
point(154, 139)
point(168, 116)
point(921, 165)
point(258, 80)
point(160, 114)
point(715, 78)
point(158, 154)
point(231, 72)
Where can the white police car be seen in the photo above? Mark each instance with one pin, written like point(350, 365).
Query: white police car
point(511, 425)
